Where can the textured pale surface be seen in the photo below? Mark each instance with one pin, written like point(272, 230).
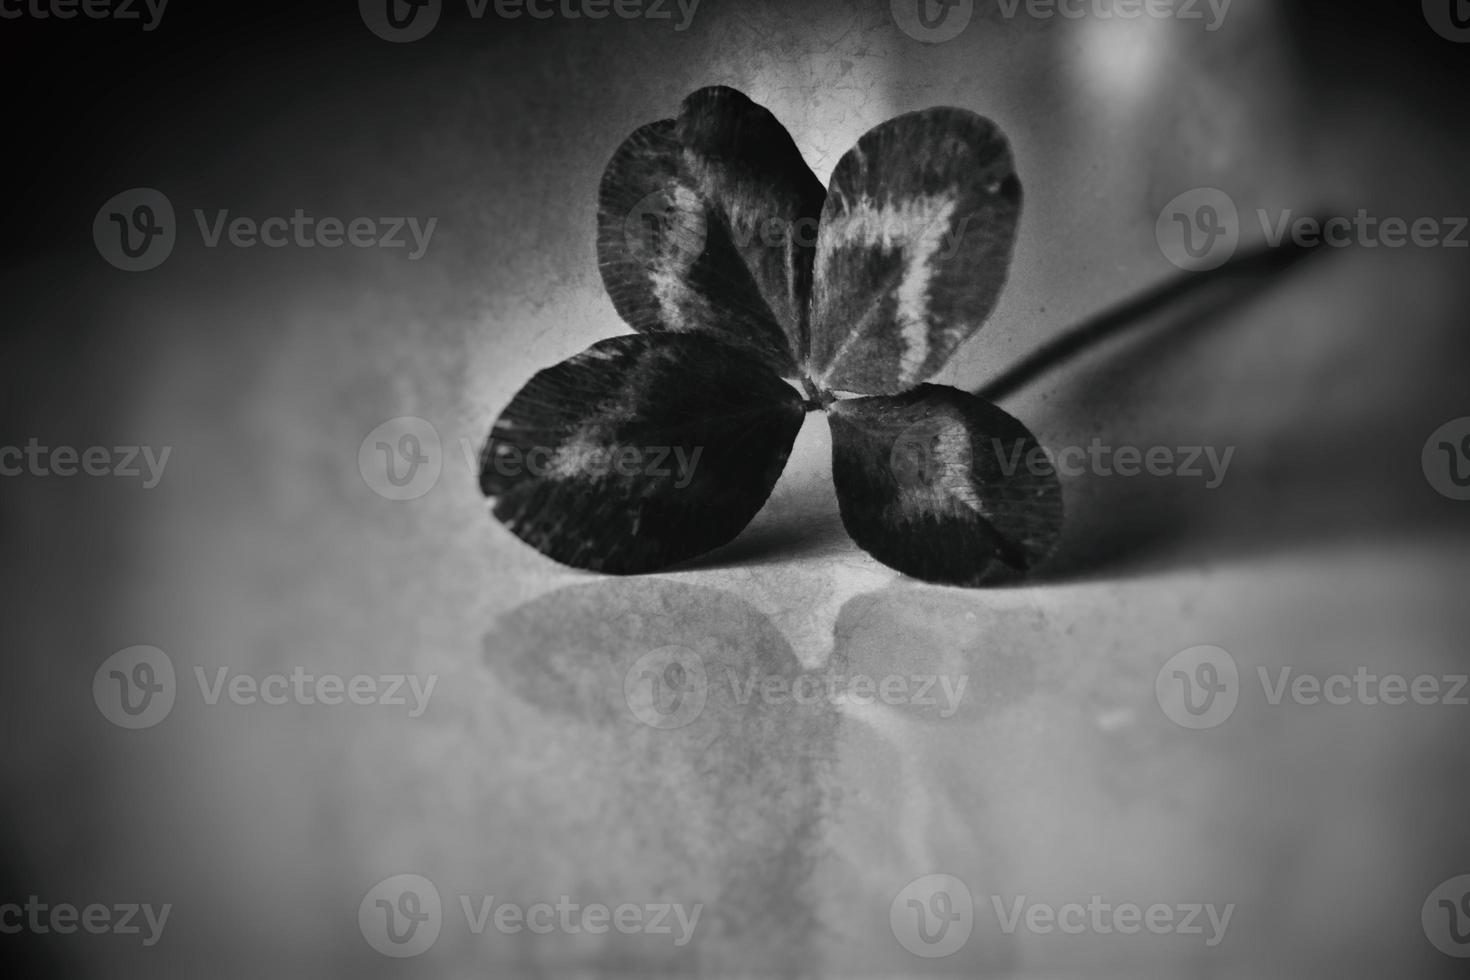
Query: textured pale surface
point(263, 549)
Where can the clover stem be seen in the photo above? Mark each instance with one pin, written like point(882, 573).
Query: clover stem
point(817, 398)
point(1262, 262)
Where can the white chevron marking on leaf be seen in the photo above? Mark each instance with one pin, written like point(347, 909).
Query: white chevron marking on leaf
point(917, 225)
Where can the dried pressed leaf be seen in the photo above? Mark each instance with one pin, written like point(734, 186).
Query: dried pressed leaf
point(708, 223)
point(944, 486)
point(639, 452)
point(915, 241)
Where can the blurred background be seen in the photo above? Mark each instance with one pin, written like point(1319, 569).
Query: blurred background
point(1336, 543)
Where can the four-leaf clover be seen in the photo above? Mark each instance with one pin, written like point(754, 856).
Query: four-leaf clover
point(745, 280)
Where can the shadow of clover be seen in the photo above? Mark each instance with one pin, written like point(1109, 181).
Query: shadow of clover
point(750, 776)
point(713, 779)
